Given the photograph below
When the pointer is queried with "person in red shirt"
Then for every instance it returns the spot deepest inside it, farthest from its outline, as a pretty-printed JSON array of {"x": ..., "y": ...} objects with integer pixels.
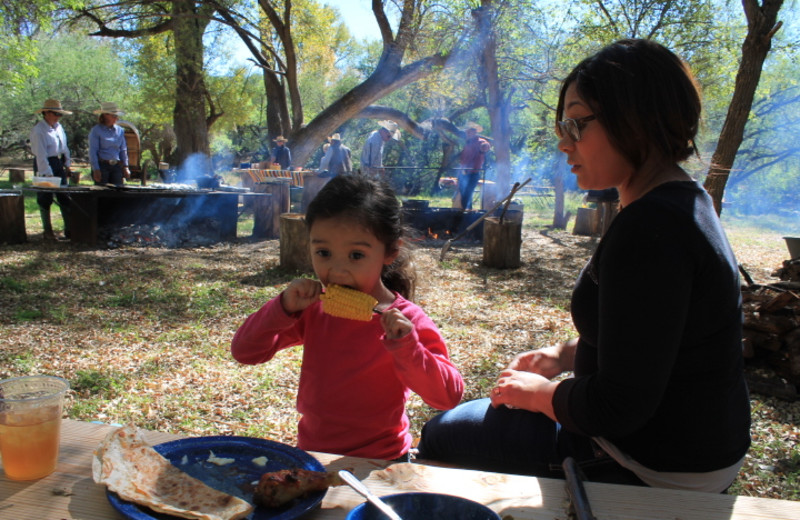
[
  {"x": 356, "y": 376},
  {"x": 471, "y": 163}
]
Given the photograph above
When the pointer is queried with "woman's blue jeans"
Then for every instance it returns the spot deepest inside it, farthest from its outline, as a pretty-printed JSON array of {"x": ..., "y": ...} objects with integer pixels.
[{"x": 477, "y": 436}]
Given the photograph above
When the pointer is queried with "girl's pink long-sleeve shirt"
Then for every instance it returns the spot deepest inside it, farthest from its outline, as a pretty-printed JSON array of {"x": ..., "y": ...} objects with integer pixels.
[{"x": 354, "y": 382}]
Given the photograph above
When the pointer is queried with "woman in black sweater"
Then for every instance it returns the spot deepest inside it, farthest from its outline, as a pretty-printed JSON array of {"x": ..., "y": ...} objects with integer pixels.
[{"x": 658, "y": 394}]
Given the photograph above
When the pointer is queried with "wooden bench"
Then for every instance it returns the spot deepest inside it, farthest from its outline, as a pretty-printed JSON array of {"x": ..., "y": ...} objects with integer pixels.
[{"x": 259, "y": 175}]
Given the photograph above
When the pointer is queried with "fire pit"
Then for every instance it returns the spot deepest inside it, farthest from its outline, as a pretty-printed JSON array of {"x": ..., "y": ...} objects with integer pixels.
[
  {"x": 153, "y": 216},
  {"x": 442, "y": 223}
]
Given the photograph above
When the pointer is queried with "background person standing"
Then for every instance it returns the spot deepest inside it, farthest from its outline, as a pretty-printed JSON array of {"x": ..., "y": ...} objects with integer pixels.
[
  {"x": 281, "y": 154},
  {"x": 470, "y": 163},
  {"x": 337, "y": 159},
  {"x": 51, "y": 158},
  {"x": 108, "y": 149},
  {"x": 372, "y": 153}
]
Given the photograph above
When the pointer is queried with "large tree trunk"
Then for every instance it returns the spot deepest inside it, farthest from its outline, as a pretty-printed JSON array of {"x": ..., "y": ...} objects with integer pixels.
[
  {"x": 388, "y": 76},
  {"x": 277, "y": 107},
  {"x": 498, "y": 106},
  {"x": 189, "y": 115},
  {"x": 761, "y": 26},
  {"x": 386, "y": 79}
]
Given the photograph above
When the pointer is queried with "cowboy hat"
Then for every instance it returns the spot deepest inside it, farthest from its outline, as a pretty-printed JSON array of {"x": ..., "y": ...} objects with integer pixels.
[
  {"x": 52, "y": 105},
  {"x": 109, "y": 108},
  {"x": 335, "y": 137},
  {"x": 473, "y": 126},
  {"x": 280, "y": 139},
  {"x": 391, "y": 127}
]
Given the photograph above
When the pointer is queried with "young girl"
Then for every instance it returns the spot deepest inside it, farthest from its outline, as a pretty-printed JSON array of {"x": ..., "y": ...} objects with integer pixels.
[{"x": 356, "y": 376}]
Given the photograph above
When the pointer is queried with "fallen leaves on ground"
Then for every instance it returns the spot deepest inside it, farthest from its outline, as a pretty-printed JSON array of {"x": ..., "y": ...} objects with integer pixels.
[{"x": 143, "y": 334}]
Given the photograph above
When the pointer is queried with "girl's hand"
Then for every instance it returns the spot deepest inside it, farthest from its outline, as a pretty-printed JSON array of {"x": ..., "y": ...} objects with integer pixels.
[
  {"x": 299, "y": 294},
  {"x": 525, "y": 390},
  {"x": 395, "y": 324}
]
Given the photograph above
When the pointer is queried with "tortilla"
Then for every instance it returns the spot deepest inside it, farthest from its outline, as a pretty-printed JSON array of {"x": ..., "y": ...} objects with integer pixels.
[{"x": 134, "y": 470}]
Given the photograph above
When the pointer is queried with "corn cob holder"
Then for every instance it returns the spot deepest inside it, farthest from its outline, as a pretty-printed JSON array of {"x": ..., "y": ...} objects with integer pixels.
[{"x": 347, "y": 303}]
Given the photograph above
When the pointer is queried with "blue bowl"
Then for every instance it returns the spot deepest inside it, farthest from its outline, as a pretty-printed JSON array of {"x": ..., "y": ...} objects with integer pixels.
[{"x": 425, "y": 506}]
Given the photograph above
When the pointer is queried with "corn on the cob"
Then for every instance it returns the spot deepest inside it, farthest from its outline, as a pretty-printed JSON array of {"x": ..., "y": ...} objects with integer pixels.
[{"x": 347, "y": 303}]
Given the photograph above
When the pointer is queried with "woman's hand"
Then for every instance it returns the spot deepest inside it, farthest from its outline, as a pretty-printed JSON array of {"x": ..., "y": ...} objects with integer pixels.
[
  {"x": 395, "y": 324},
  {"x": 525, "y": 390},
  {"x": 299, "y": 294},
  {"x": 547, "y": 362},
  {"x": 96, "y": 175}
]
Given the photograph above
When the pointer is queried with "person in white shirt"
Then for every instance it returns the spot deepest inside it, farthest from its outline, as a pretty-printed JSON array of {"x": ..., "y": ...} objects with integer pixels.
[
  {"x": 51, "y": 159},
  {"x": 337, "y": 158},
  {"x": 372, "y": 153}
]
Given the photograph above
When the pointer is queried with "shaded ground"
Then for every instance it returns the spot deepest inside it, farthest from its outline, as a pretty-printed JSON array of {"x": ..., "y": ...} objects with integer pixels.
[{"x": 143, "y": 334}]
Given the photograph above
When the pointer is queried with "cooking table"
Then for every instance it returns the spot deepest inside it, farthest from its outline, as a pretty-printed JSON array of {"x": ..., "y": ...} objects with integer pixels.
[{"x": 70, "y": 492}]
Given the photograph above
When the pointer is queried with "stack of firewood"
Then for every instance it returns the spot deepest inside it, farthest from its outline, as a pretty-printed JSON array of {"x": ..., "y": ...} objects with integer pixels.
[{"x": 772, "y": 330}]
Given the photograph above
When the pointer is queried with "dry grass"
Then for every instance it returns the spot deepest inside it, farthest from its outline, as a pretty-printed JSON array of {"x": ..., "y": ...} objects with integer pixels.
[{"x": 143, "y": 334}]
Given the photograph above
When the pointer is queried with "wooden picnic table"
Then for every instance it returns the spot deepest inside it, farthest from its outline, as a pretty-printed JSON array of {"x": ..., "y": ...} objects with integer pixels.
[{"x": 70, "y": 492}]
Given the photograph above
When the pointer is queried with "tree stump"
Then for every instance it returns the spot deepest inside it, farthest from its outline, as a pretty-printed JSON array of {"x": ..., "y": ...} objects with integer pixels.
[
  {"x": 312, "y": 183},
  {"x": 502, "y": 243},
  {"x": 585, "y": 222},
  {"x": 295, "y": 254},
  {"x": 262, "y": 212},
  {"x": 16, "y": 175},
  {"x": 248, "y": 182},
  {"x": 281, "y": 202},
  {"x": 12, "y": 219}
]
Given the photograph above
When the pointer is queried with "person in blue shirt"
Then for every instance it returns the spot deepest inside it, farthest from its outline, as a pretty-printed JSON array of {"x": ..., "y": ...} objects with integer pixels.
[
  {"x": 281, "y": 154},
  {"x": 51, "y": 158},
  {"x": 108, "y": 150}
]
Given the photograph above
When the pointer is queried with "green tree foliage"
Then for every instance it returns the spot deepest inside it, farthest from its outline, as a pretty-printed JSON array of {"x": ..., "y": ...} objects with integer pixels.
[{"x": 80, "y": 72}]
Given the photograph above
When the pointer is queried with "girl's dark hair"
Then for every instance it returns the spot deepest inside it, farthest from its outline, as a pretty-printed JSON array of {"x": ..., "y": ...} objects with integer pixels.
[
  {"x": 645, "y": 97},
  {"x": 373, "y": 205}
]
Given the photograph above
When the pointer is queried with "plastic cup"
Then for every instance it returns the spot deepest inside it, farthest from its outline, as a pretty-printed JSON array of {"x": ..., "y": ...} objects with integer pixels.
[{"x": 30, "y": 425}]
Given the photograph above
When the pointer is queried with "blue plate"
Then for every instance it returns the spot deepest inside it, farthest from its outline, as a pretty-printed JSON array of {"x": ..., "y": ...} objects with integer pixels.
[{"x": 237, "y": 478}]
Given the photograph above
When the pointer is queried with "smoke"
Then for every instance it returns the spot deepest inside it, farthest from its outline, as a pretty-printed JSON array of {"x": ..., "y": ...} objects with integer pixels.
[{"x": 195, "y": 166}]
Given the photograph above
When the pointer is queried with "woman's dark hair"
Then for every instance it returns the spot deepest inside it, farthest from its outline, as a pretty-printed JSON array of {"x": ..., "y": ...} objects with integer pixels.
[
  {"x": 373, "y": 205},
  {"x": 645, "y": 97}
]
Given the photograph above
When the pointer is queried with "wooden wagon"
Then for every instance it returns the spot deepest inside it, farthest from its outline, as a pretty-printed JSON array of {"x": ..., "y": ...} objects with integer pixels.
[{"x": 134, "y": 143}]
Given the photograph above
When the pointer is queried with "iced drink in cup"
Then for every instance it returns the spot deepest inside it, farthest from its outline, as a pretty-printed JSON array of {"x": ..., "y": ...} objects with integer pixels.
[{"x": 30, "y": 425}]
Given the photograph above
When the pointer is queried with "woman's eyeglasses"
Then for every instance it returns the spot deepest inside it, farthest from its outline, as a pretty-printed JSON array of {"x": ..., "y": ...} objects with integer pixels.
[{"x": 572, "y": 127}]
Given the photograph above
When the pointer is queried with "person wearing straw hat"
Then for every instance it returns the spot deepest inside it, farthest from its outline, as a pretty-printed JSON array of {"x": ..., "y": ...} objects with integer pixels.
[
  {"x": 372, "y": 153},
  {"x": 337, "y": 159},
  {"x": 108, "y": 149},
  {"x": 281, "y": 155},
  {"x": 470, "y": 163},
  {"x": 51, "y": 158}
]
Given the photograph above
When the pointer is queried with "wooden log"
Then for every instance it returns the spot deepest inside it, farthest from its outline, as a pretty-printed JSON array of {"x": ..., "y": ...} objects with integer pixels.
[
  {"x": 295, "y": 254},
  {"x": 312, "y": 183},
  {"x": 501, "y": 243},
  {"x": 281, "y": 202},
  {"x": 585, "y": 222},
  {"x": 778, "y": 302},
  {"x": 12, "y": 219},
  {"x": 16, "y": 175},
  {"x": 771, "y": 323},
  {"x": 262, "y": 213},
  {"x": 762, "y": 340},
  {"x": 248, "y": 182}
]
